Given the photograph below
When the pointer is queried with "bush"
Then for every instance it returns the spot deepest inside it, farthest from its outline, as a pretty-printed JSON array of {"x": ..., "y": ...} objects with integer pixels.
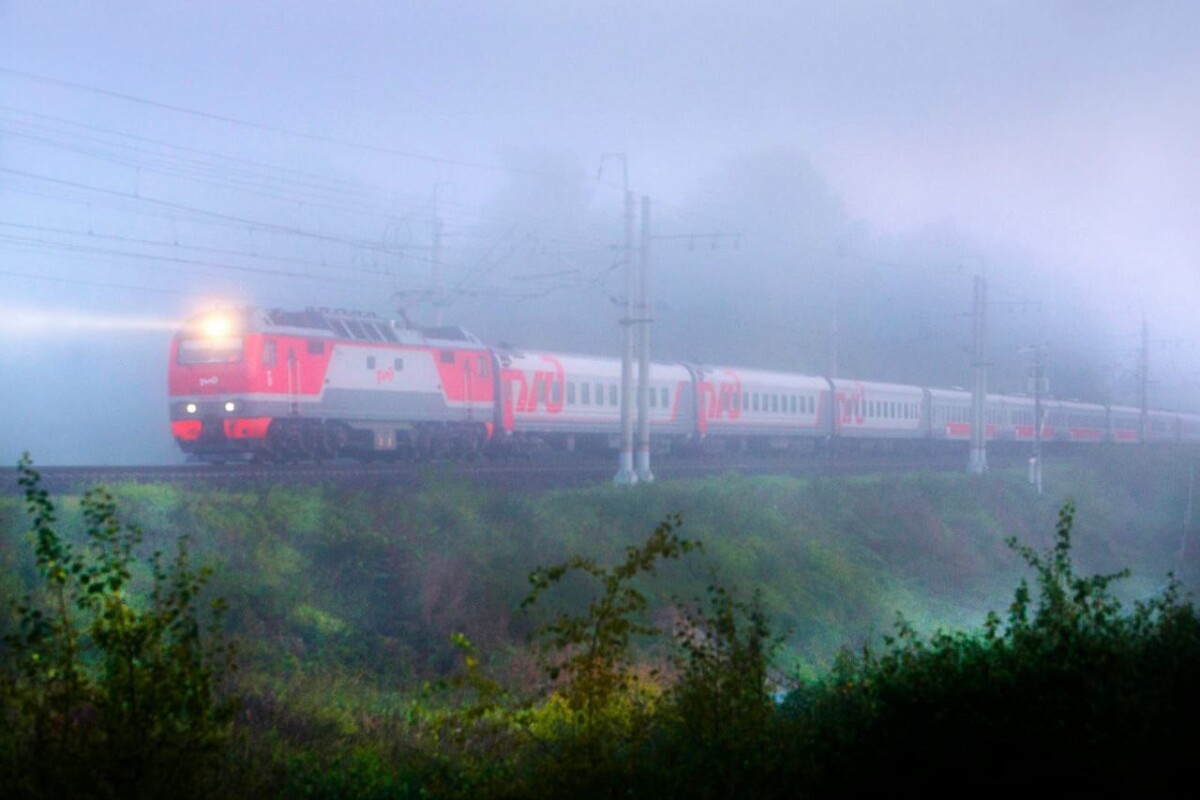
[
  {"x": 107, "y": 692},
  {"x": 1068, "y": 690}
]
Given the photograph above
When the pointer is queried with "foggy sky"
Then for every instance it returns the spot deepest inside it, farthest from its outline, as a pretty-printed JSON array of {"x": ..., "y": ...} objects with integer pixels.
[{"x": 1052, "y": 144}]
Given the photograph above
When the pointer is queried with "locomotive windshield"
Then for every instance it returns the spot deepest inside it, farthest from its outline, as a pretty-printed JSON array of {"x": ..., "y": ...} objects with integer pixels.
[{"x": 210, "y": 350}]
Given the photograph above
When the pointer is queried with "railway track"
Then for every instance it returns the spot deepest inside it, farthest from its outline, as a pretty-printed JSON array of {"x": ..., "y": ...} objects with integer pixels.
[{"x": 544, "y": 473}]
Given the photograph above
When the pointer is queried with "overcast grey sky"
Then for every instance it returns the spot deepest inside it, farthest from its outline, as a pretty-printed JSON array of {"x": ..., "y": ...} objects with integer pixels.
[{"x": 1063, "y": 131}]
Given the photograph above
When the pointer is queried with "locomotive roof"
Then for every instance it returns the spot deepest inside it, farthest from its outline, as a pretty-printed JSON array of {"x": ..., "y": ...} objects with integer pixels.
[{"x": 365, "y": 326}]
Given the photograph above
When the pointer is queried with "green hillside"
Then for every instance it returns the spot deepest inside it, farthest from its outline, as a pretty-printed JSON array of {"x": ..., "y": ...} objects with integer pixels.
[{"x": 353, "y": 611}]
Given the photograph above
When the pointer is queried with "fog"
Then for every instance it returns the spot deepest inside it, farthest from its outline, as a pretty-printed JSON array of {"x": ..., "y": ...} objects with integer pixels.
[{"x": 809, "y": 166}]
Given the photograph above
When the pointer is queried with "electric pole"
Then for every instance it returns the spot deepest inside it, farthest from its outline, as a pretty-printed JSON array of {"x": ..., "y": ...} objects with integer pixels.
[
  {"x": 643, "y": 322},
  {"x": 436, "y": 266},
  {"x": 835, "y": 303},
  {"x": 978, "y": 462},
  {"x": 1144, "y": 381},
  {"x": 625, "y": 475},
  {"x": 1037, "y": 378}
]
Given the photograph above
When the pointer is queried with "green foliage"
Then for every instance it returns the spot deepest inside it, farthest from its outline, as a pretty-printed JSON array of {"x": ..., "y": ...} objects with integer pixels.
[
  {"x": 107, "y": 693},
  {"x": 386, "y": 657},
  {"x": 721, "y": 710},
  {"x": 1100, "y": 694},
  {"x": 592, "y": 650}
]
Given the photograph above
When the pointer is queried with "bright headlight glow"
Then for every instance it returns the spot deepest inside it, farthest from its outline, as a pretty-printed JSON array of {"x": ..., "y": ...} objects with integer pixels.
[
  {"x": 217, "y": 327},
  {"x": 229, "y": 406},
  {"x": 190, "y": 408}
]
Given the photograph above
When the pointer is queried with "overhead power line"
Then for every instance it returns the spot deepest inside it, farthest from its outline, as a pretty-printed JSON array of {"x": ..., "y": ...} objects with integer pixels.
[{"x": 230, "y": 120}]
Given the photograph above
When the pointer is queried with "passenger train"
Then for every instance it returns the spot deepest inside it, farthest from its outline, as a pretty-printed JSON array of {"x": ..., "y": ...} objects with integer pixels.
[{"x": 320, "y": 383}]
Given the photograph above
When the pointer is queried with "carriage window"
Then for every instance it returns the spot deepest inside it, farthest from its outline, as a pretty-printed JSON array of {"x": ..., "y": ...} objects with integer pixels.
[
  {"x": 653, "y": 397},
  {"x": 570, "y": 394},
  {"x": 666, "y": 396},
  {"x": 612, "y": 394},
  {"x": 370, "y": 362},
  {"x": 754, "y": 401},
  {"x": 599, "y": 395},
  {"x": 745, "y": 402},
  {"x": 398, "y": 363},
  {"x": 585, "y": 393},
  {"x": 268, "y": 353},
  {"x": 539, "y": 391},
  {"x": 556, "y": 393},
  {"x": 775, "y": 402}
]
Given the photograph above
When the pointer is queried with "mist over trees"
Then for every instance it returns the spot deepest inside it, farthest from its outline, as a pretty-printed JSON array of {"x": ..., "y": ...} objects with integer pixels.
[{"x": 758, "y": 267}]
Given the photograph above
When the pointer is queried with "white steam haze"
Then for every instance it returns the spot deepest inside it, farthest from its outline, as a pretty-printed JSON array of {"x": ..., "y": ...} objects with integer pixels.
[{"x": 800, "y": 157}]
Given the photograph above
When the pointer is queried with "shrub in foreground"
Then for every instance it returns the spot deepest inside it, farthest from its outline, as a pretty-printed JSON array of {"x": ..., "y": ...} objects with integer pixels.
[
  {"x": 1067, "y": 689},
  {"x": 106, "y": 691}
]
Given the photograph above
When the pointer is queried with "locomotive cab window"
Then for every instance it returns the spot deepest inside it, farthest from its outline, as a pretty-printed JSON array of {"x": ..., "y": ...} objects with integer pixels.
[
  {"x": 447, "y": 356},
  {"x": 316, "y": 348},
  {"x": 209, "y": 350}
]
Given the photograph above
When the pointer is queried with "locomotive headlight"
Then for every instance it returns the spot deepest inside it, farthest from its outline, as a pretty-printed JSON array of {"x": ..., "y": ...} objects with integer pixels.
[
  {"x": 230, "y": 406},
  {"x": 190, "y": 408},
  {"x": 217, "y": 327}
]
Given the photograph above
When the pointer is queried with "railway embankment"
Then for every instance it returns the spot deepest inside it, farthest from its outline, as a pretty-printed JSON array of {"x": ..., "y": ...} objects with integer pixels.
[{"x": 388, "y": 574}]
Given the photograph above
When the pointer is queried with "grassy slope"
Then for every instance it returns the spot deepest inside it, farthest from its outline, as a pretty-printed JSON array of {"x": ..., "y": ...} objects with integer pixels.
[{"x": 369, "y": 586}]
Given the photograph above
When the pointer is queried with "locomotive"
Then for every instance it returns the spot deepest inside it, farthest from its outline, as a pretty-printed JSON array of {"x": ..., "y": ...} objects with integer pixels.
[{"x": 321, "y": 383}]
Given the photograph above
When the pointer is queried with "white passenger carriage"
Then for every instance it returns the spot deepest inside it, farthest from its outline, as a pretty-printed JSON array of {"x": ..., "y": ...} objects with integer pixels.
[
  {"x": 1070, "y": 421},
  {"x": 949, "y": 415},
  {"x": 760, "y": 405},
  {"x": 866, "y": 410},
  {"x": 570, "y": 399}
]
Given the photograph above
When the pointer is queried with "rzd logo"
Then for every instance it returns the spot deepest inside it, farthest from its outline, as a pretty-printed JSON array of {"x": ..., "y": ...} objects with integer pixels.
[{"x": 545, "y": 388}]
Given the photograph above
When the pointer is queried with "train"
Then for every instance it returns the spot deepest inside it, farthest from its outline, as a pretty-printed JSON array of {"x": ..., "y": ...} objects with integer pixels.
[{"x": 283, "y": 385}]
